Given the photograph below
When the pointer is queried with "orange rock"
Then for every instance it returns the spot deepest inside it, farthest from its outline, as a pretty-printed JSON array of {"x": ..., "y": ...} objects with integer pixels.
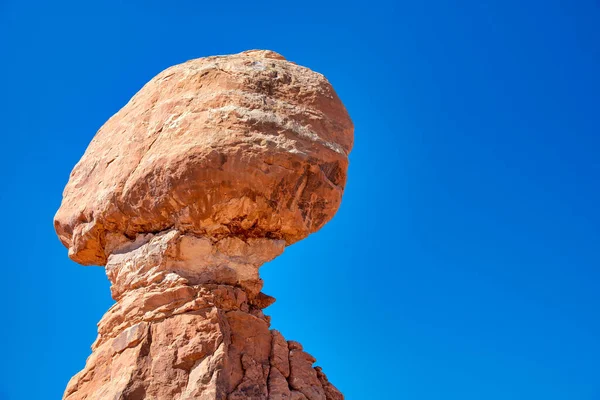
[
  {"x": 247, "y": 145},
  {"x": 207, "y": 173}
]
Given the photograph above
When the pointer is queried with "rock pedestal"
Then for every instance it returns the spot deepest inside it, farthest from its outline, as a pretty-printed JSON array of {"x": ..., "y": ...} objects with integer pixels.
[
  {"x": 188, "y": 324},
  {"x": 206, "y": 174}
]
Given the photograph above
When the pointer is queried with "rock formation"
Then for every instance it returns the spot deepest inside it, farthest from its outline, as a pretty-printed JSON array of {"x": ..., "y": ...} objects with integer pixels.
[{"x": 208, "y": 172}]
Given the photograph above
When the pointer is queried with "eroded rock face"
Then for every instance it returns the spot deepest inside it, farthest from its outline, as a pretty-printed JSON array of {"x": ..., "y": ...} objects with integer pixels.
[
  {"x": 206, "y": 174},
  {"x": 194, "y": 342}
]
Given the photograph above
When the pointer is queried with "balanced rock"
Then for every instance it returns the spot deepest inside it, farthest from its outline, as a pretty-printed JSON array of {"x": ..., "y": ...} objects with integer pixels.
[
  {"x": 248, "y": 145},
  {"x": 208, "y": 172}
]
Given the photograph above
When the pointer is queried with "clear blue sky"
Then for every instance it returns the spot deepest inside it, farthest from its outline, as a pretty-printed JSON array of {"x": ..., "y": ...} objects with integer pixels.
[{"x": 464, "y": 262}]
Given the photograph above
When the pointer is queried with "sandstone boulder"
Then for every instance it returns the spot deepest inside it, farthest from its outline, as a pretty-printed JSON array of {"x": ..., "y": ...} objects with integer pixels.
[{"x": 246, "y": 145}]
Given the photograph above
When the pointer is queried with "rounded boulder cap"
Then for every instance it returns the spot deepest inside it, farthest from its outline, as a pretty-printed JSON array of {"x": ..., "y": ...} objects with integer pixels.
[{"x": 247, "y": 145}]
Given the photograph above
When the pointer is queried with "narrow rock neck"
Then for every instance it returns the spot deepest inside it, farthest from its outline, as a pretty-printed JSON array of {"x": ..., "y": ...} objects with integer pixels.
[
  {"x": 170, "y": 259},
  {"x": 159, "y": 276}
]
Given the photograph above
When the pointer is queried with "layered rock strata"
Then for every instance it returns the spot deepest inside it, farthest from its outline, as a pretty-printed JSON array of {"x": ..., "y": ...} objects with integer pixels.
[
  {"x": 206, "y": 174},
  {"x": 188, "y": 324}
]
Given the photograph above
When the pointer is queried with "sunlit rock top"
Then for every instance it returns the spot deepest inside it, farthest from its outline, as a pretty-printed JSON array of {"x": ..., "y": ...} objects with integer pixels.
[{"x": 245, "y": 146}]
